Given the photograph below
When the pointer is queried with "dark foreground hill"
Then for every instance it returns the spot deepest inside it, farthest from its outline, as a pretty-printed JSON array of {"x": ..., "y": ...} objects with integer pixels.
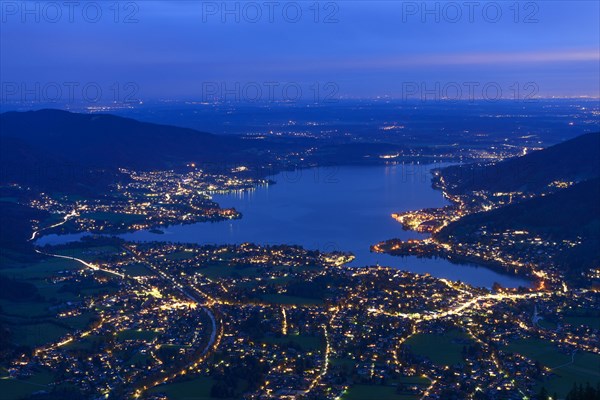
[{"x": 575, "y": 160}]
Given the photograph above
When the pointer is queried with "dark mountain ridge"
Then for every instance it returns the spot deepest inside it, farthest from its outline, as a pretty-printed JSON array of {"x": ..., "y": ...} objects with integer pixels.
[
  {"x": 567, "y": 219},
  {"x": 102, "y": 140},
  {"x": 574, "y": 160},
  {"x": 84, "y": 148},
  {"x": 568, "y": 214}
]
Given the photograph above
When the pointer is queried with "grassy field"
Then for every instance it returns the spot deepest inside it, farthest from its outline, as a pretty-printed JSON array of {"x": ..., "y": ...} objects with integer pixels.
[
  {"x": 37, "y": 334},
  {"x": 375, "y": 392},
  {"x": 137, "y": 270},
  {"x": 33, "y": 322},
  {"x": 443, "y": 349},
  {"x": 115, "y": 218},
  {"x": 592, "y": 322},
  {"x": 28, "y": 320},
  {"x": 221, "y": 271},
  {"x": 18, "y": 312},
  {"x": 539, "y": 350},
  {"x": 307, "y": 343},
  {"x": 66, "y": 197},
  {"x": 87, "y": 343},
  {"x": 42, "y": 269},
  {"x": 224, "y": 271},
  {"x": 343, "y": 362},
  {"x": 197, "y": 389},
  {"x": 80, "y": 321},
  {"x": 10, "y": 259},
  {"x": 253, "y": 284},
  {"x": 547, "y": 324},
  {"x": 88, "y": 253},
  {"x": 139, "y": 359},
  {"x": 584, "y": 368},
  {"x": 50, "y": 293},
  {"x": 13, "y": 389}
]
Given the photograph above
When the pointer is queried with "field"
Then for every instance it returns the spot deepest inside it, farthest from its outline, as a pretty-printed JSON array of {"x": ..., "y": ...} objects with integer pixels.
[
  {"x": 87, "y": 343},
  {"x": 17, "y": 312},
  {"x": 88, "y": 253},
  {"x": 343, "y": 362},
  {"x": 79, "y": 322},
  {"x": 224, "y": 271},
  {"x": 221, "y": 271},
  {"x": 13, "y": 389},
  {"x": 197, "y": 389},
  {"x": 42, "y": 269},
  {"x": 31, "y": 322},
  {"x": 139, "y": 359},
  {"x": 37, "y": 334},
  {"x": 375, "y": 392},
  {"x": 581, "y": 368},
  {"x": 115, "y": 218},
  {"x": 137, "y": 270},
  {"x": 307, "y": 343},
  {"x": 443, "y": 349},
  {"x": 413, "y": 380},
  {"x": 592, "y": 322}
]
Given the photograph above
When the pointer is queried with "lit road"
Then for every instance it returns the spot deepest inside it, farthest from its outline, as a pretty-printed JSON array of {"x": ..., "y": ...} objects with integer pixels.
[
  {"x": 458, "y": 310},
  {"x": 85, "y": 263},
  {"x": 196, "y": 297},
  {"x": 73, "y": 213}
]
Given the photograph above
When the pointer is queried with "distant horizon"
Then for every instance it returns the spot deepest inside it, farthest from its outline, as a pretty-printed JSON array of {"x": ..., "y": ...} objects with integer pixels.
[
  {"x": 189, "y": 101},
  {"x": 353, "y": 49}
]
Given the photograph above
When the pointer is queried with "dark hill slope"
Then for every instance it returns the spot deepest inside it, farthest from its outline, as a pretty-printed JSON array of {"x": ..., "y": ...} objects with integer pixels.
[
  {"x": 111, "y": 141},
  {"x": 15, "y": 230},
  {"x": 575, "y": 160},
  {"x": 566, "y": 214}
]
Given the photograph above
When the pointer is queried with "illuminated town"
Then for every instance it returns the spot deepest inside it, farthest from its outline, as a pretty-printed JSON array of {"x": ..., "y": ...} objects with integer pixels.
[
  {"x": 299, "y": 200},
  {"x": 284, "y": 322},
  {"x": 515, "y": 250},
  {"x": 150, "y": 319},
  {"x": 148, "y": 200}
]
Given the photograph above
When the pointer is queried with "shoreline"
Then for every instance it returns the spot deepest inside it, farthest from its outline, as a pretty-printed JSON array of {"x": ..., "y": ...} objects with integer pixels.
[{"x": 457, "y": 259}]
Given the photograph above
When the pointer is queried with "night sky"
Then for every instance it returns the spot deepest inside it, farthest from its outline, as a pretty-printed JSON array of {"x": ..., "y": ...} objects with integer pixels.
[{"x": 170, "y": 49}]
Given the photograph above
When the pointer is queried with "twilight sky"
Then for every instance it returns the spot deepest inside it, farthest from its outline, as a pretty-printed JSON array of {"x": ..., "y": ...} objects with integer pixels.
[{"x": 186, "y": 49}]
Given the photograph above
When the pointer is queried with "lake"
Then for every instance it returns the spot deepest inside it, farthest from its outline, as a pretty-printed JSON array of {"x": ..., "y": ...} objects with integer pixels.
[{"x": 337, "y": 208}]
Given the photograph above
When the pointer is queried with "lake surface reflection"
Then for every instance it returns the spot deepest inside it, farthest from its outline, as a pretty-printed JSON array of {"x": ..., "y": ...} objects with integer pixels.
[{"x": 337, "y": 208}]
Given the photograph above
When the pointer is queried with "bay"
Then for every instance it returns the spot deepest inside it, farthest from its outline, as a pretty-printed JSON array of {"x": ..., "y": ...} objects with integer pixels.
[{"x": 331, "y": 209}]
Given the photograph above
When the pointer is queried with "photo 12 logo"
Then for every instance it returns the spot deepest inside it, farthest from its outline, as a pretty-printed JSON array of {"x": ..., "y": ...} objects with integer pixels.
[
  {"x": 69, "y": 92},
  {"x": 256, "y": 92},
  {"x": 470, "y": 91},
  {"x": 319, "y": 175},
  {"x": 53, "y": 12},
  {"x": 253, "y": 12},
  {"x": 525, "y": 12}
]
